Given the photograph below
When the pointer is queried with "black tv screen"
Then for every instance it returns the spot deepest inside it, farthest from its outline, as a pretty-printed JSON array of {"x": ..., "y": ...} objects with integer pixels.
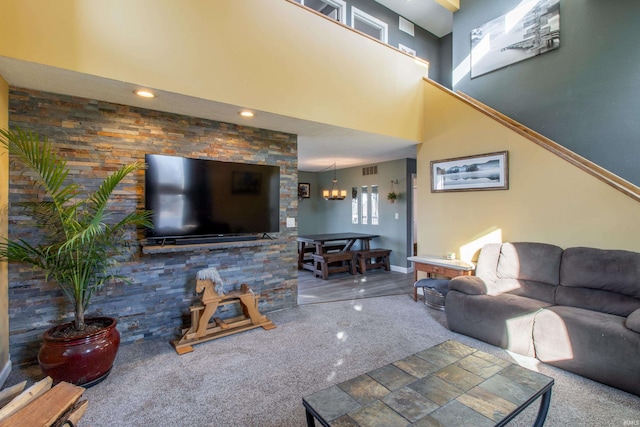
[{"x": 206, "y": 198}]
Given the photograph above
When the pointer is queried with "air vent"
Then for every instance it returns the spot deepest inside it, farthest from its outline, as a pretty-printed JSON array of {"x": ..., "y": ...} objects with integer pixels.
[
  {"x": 370, "y": 170},
  {"x": 406, "y": 26}
]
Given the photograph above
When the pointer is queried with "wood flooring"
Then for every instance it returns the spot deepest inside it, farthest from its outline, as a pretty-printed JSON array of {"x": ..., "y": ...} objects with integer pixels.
[{"x": 344, "y": 286}]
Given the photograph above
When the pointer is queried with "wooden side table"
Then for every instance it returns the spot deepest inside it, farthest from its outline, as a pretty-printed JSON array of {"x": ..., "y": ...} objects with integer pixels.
[{"x": 433, "y": 265}]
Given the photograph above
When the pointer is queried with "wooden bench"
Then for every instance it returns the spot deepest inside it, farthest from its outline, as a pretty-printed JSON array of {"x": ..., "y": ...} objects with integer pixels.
[
  {"x": 373, "y": 258},
  {"x": 305, "y": 262},
  {"x": 326, "y": 263},
  {"x": 334, "y": 247}
]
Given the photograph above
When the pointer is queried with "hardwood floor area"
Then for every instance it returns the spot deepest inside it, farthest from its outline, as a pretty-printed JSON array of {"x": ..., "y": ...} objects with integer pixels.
[{"x": 344, "y": 286}]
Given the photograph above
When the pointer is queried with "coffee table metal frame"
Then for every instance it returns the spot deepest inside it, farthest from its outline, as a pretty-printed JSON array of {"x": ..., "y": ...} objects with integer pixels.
[{"x": 544, "y": 393}]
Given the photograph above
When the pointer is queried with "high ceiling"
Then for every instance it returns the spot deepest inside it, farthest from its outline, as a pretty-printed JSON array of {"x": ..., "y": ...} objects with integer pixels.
[{"x": 319, "y": 145}]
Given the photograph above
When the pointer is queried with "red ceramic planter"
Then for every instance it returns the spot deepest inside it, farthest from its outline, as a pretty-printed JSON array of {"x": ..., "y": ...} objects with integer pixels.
[{"x": 83, "y": 361}]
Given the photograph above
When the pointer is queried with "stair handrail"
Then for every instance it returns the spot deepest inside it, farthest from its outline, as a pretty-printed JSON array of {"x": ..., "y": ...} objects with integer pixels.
[{"x": 575, "y": 159}]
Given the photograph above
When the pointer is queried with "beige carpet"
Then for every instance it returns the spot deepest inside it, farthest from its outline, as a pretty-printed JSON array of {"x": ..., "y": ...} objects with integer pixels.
[{"x": 258, "y": 378}]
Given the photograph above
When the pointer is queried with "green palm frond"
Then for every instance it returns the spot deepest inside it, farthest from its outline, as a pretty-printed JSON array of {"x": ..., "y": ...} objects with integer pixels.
[
  {"x": 37, "y": 155},
  {"x": 102, "y": 195},
  {"x": 80, "y": 244}
]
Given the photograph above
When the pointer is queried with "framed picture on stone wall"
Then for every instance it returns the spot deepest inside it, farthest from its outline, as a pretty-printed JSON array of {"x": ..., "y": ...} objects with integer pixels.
[{"x": 471, "y": 173}]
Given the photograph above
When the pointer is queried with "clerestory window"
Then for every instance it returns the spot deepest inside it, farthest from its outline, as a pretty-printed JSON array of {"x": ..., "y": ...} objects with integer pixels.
[
  {"x": 369, "y": 25},
  {"x": 334, "y": 9}
]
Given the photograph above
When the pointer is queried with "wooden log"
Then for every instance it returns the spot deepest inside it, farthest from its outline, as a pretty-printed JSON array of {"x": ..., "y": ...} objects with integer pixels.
[
  {"x": 25, "y": 397},
  {"x": 47, "y": 408},
  {"x": 78, "y": 411},
  {"x": 9, "y": 393},
  {"x": 73, "y": 415}
]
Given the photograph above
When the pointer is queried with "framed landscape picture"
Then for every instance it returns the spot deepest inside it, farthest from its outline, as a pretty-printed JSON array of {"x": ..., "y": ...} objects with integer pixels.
[{"x": 471, "y": 173}]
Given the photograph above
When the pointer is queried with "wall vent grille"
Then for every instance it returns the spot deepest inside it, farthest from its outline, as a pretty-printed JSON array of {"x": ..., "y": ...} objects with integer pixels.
[
  {"x": 370, "y": 170},
  {"x": 406, "y": 26}
]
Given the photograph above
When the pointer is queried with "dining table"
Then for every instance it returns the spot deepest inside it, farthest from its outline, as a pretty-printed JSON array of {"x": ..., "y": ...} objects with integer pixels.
[{"x": 337, "y": 241}]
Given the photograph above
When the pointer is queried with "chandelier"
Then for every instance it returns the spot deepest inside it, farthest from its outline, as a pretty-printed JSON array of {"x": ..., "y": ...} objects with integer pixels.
[{"x": 334, "y": 193}]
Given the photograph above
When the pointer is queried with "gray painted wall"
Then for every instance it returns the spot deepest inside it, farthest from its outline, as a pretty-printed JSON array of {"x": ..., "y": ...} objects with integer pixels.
[
  {"x": 308, "y": 208},
  {"x": 446, "y": 61},
  {"x": 316, "y": 215},
  {"x": 584, "y": 95}
]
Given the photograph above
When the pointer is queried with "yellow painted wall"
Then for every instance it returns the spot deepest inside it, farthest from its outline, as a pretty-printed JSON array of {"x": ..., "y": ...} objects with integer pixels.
[
  {"x": 548, "y": 199},
  {"x": 4, "y": 200},
  {"x": 268, "y": 55}
]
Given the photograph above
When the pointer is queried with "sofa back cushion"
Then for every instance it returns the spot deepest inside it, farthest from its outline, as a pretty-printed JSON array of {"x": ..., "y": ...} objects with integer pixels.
[
  {"x": 529, "y": 269},
  {"x": 603, "y": 280},
  {"x": 536, "y": 262},
  {"x": 521, "y": 268},
  {"x": 487, "y": 264}
]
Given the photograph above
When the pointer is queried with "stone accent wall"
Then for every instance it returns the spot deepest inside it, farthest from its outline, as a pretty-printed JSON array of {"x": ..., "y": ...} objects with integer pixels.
[{"x": 98, "y": 137}]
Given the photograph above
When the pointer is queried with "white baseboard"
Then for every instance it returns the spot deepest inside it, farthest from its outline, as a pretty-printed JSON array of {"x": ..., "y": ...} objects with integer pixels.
[
  {"x": 405, "y": 270},
  {"x": 6, "y": 370}
]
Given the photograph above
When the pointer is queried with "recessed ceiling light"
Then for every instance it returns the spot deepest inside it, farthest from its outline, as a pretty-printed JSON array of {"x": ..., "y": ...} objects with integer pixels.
[
  {"x": 246, "y": 113},
  {"x": 144, "y": 93}
]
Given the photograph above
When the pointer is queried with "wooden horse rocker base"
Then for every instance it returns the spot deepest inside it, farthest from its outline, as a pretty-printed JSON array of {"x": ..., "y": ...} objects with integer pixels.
[{"x": 202, "y": 330}]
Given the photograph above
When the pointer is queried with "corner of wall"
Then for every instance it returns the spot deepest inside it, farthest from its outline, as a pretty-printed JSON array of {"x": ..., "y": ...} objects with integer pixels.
[{"x": 4, "y": 200}]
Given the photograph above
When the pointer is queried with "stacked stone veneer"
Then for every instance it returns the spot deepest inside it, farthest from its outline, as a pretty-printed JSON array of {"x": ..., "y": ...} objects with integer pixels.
[{"x": 98, "y": 137}]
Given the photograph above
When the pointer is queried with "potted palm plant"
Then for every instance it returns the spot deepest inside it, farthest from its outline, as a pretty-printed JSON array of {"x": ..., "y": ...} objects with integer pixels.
[{"x": 77, "y": 248}]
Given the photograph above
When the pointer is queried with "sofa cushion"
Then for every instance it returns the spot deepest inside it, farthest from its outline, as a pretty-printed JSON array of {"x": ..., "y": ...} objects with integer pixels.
[
  {"x": 597, "y": 300},
  {"x": 610, "y": 270},
  {"x": 601, "y": 280},
  {"x": 503, "y": 320},
  {"x": 537, "y": 262},
  {"x": 592, "y": 344},
  {"x": 527, "y": 269},
  {"x": 487, "y": 263},
  {"x": 525, "y": 288},
  {"x": 633, "y": 321}
]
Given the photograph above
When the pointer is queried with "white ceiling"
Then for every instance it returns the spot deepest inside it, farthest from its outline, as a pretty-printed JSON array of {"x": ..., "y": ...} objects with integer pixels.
[{"x": 319, "y": 145}]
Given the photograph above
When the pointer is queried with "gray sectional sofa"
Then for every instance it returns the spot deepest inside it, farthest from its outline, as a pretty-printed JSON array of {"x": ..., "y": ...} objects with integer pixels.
[{"x": 577, "y": 308}]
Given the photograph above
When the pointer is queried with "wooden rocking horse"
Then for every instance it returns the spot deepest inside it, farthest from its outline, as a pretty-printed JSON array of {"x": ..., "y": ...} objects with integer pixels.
[{"x": 211, "y": 285}]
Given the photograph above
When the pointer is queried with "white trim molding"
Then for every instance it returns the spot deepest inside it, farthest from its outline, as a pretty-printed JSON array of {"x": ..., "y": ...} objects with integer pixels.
[
  {"x": 340, "y": 5},
  {"x": 405, "y": 270},
  {"x": 358, "y": 15}
]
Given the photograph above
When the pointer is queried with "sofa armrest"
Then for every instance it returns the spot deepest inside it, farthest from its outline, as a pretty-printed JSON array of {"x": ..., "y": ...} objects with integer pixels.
[
  {"x": 470, "y": 285},
  {"x": 633, "y": 321}
]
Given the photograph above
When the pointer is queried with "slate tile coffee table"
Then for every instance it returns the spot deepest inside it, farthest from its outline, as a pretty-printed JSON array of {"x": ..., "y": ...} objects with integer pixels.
[{"x": 450, "y": 384}]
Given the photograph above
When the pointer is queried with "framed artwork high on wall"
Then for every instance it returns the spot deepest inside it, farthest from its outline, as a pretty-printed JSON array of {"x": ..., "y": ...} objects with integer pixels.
[{"x": 531, "y": 28}]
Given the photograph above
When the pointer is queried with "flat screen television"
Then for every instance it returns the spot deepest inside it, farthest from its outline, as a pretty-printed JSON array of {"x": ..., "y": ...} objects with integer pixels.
[{"x": 197, "y": 200}]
